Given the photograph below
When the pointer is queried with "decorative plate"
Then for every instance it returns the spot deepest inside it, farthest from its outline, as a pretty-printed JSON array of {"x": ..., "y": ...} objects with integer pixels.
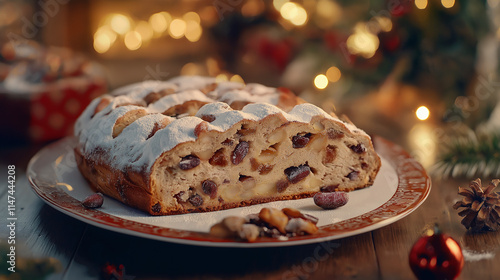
[{"x": 400, "y": 187}]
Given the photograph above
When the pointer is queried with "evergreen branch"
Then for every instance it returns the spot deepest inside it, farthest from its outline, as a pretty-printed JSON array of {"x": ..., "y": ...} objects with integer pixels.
[{"x": 477, "y": 154}]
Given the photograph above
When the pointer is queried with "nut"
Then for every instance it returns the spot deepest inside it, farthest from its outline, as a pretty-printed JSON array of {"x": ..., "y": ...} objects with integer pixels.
[
  {"x": 301, "y": 226},
  {"x": 229, "y": 227},
  {"x": 249, "y": 232},
  {"x": 274, "y": 218},
  {"x": 294, "y": 213},
  {"x": 233, "y": 223}
]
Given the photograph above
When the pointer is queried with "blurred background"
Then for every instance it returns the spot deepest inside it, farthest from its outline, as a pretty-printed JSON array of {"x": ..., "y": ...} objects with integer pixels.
[{"x": 422, "y": 73}]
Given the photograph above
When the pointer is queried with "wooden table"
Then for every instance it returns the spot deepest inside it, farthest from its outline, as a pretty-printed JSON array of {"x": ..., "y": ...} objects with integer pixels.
[{"x": 47, "y": 240}]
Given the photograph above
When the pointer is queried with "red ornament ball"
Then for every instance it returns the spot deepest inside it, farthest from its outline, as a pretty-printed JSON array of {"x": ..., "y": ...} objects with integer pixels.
[{"x": 436, "y": 256}]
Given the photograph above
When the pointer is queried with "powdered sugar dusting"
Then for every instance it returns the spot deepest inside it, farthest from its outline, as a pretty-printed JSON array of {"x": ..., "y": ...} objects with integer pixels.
[
  {"x": 177, "y": 99},
  {"x": 137, "y": 148}
]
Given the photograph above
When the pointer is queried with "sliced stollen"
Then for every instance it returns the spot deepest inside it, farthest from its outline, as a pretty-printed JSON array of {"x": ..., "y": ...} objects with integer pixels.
[{"x": 193, "y": 145}]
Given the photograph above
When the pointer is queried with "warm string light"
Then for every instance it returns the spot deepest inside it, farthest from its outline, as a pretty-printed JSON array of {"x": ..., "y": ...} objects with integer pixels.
[
  {"x": 332, "y": 75},
  {"x": 421, "y": 4},
  {"x": 422, "y": 113},
  {"x": 321, "y": 81},
  {"x": 448, "y": 3},
  {"x": 363, "y": 42},
  {"x": 292, "y": 12},
  {"x": 136, "y": 34}
]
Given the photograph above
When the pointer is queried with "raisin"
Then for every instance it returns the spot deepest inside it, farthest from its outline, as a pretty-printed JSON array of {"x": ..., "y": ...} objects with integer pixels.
[
  {"x": 218, "y": 158},
  {"x": 353, "y": 175},
  {"x": 330, "y": 188},
  {"x": 330, "y": 154},
  {"x": 189, "y": 162},
  {"x": 300, "y": 141},
  {"x": 179, "y": 195},
  {"x": 364, "y": 165},
  {"x": 359, "y": 149},
  {"x": 156, "y": 208},
  {"x": 334, "y": 134},
  {"x": 295, "y": 174},
  {"x": 196, "y": 200},
  {"x": 208, "y": 118},
  {"x": 240, "y": 152},
  {"x": 209, "y": 187},
  {"x": 281, "y": 185}
]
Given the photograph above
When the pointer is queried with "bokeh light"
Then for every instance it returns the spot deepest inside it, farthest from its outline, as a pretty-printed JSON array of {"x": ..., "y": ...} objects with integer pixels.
[
  {"x": 160, "y": 21},
  {"x": 362, "y": 42},
  {"x": 237, "y": 79},
  {"x": 132, "y": 40},
  {"x": 422, "y": 113},
  {"x": 145, "y": 30},
  {"x": 102, "y": 43},
  {"x": 279, "y": 3},
  {"x": 294, "y": 13},
  {"x": 321, "y": 81},
  {"x": 421, "y": 4},
  {"x": 177, "y": 28},
  {"x": 253, "y": 8},
  {"x": 120, "y": 23},
  {"x": 191, "y": 16},
  {"x": 333, "y": 74},
  {"x": 193, "y": 31},
  {"x": 221, "y": 78},
  {"x": 448, "y": 3}
]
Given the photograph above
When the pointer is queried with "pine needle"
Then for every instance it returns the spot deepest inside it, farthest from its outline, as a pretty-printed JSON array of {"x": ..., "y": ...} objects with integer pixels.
[{"x": 475, "y": 154}]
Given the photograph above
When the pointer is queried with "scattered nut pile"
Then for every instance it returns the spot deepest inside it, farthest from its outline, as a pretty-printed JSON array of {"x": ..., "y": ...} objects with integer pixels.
[{"x": 270, "y": 222}]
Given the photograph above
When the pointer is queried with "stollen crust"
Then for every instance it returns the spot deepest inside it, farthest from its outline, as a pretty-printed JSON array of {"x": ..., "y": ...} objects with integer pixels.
[{"x": 193, "y": 145}]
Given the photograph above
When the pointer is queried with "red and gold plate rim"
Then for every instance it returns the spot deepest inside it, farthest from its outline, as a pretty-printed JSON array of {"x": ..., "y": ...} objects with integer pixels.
[{"x": 413, "y": 188}]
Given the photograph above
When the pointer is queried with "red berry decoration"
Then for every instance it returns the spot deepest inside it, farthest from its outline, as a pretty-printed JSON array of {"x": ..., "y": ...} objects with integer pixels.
[
  {"x": 93, "y": 201},
  {"x": 436, "y": 256}
]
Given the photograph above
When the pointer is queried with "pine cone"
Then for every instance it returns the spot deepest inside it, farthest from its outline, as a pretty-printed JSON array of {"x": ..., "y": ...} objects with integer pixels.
[{"x": 482, "y": 206}]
